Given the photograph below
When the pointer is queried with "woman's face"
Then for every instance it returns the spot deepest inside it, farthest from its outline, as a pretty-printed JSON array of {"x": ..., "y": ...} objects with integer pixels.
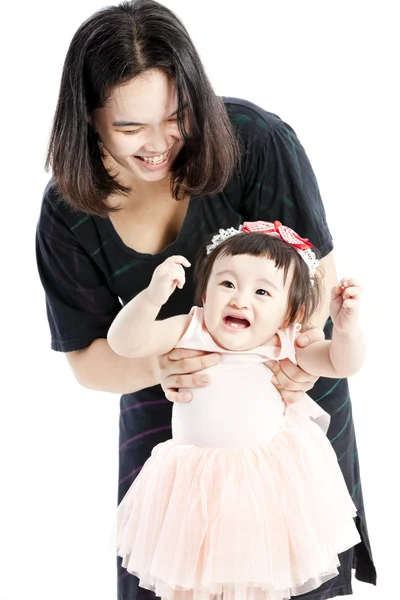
[{"x": 139, "y": 129}]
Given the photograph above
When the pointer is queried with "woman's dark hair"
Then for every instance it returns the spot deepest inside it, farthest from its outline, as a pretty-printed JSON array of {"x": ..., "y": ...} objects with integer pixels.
[
  {"x": 301, "y": 291},
  {"x": 112, "y": 47}
]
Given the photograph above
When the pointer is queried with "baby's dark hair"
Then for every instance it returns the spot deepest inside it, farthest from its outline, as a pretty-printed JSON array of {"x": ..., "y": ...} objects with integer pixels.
[{"x": 301, "y": 292}]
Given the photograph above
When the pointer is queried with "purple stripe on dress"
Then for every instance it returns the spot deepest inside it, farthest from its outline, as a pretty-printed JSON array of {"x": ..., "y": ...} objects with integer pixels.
[
  {"x": 134, "y": 406},
  {"x": 130, "y": 475},
  {"x": 143, "y": 434},
  {"x": 124, "y": 575}
]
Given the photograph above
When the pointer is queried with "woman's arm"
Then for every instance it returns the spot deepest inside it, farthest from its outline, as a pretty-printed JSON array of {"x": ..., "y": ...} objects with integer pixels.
[
  {"x": 135, "y": 332},
  {"x": 327, "y": 269},
  {"x": 80, "y": 332},
  {"x": 99, "y": 368}
]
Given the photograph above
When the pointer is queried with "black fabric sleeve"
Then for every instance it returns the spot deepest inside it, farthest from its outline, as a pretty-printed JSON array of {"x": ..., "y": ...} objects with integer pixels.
[
  {"x": 80, "y": 306},
  {"x": 280, "y": 185}
]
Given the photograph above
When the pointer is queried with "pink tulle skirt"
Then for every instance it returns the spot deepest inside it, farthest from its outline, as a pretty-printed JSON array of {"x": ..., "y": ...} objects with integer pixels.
[{"x": 261, "y": 523}]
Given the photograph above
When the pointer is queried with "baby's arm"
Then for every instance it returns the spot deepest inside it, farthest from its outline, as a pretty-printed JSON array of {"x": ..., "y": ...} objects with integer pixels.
[
  {"x": 135, "y": 333},
  {"x": 344, "y": 354}
]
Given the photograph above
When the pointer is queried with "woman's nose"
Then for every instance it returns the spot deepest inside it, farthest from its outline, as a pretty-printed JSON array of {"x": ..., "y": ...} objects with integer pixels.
[{"x": 157, "y": 141}]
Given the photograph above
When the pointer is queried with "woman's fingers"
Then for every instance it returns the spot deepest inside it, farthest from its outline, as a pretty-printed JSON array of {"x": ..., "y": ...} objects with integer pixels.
[
  {"x": 180, "y": 369},
  {"x": 174, "y": 382},
  {"x": 289, "y": 377},
  {"x": 173, "y": 396},
  {"x": 291, "y": 397},
  {"x": 291, "y": 383},
  {"x": 181, "y": 360},
  {"x": 309, "y": 337},
  {"x": 289, "y": 389}
]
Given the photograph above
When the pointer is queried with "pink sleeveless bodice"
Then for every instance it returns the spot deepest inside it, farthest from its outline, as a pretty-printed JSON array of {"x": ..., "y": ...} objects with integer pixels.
[{"x": 240, "y": 407}]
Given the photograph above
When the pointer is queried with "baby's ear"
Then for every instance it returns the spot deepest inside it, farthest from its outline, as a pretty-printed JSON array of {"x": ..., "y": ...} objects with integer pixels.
[
  {"x": 298, "y": 318},
  {"x": 300, "y": 314}
]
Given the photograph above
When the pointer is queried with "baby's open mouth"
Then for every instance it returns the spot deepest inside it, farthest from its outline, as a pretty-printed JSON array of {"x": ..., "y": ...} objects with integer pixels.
[{"x": 236, "y": 323}]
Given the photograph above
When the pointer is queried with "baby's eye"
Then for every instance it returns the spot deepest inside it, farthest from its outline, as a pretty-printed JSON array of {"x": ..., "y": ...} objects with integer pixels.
[
  {"x": 227, "y": 284},
  {"x": 262, "y": 292}
]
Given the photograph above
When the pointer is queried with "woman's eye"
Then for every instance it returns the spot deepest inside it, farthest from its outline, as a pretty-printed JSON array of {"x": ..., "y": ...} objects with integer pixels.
[
  {"x": 262, "y": 292},
  {"x": 132, "y": 132},
  {"x": 227, "y": 284}
]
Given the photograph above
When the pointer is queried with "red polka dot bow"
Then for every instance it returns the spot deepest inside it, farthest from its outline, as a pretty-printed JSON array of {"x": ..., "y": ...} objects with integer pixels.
[
  {"x": 275, "y": 229},
  {"x": 278, "y": 230}
]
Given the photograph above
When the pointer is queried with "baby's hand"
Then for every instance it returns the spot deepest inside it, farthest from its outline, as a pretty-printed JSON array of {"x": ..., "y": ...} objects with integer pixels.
[
  {"x": 345, "y": 303},
  {"x": 166, "y": 278}
]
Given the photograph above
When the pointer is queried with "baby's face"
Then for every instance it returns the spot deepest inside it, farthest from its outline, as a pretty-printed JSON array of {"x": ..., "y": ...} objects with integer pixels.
[{"x": 245, "y": 302}]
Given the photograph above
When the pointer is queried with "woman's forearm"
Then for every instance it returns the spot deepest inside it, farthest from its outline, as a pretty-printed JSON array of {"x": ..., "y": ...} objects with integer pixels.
[
  {"x": 99, "y": 368},
  {"x": 328, "y": 268}
]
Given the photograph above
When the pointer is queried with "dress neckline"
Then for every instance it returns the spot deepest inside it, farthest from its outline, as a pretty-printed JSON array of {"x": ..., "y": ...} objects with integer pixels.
[{"x": 170, "y": 248}]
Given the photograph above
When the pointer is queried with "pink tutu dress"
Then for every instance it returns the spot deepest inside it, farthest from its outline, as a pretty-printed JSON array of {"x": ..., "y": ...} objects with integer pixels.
[{"x": 246, "y": 501}]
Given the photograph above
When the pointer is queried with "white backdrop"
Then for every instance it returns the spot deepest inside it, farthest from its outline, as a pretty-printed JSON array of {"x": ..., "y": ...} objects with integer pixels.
[{"x": 329, "y": 70}]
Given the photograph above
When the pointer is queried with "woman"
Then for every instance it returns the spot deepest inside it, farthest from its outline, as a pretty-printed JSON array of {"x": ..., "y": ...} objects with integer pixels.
[{"x": 147, "y": 162}]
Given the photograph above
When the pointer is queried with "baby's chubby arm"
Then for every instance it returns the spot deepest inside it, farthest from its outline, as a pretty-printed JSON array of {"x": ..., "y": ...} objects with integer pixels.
[
  {"x": 344, "y": 354},
  {"x": 135, "y": 332}
]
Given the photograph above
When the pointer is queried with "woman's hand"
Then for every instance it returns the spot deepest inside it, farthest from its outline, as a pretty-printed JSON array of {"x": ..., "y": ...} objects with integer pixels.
[
  {"x": 179, "y": 369},
  {"x": 291, "y": 381}
]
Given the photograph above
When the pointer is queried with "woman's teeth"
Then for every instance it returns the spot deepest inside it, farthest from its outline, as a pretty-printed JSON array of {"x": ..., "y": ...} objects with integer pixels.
[{"x": 155, "y": 160}]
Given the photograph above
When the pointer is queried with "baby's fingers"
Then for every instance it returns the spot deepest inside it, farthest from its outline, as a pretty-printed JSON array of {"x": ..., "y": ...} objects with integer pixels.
[
  {"x": 336, "y": 291},
  {"x": 347, "y": 283},
  {"x": 179, "y": 277},
  {"x": 180, "y": 282},
  {"x": 352, "y": 292},
  {"x": 179, "y": 260},
  {"x": 351, "y": 306}
]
